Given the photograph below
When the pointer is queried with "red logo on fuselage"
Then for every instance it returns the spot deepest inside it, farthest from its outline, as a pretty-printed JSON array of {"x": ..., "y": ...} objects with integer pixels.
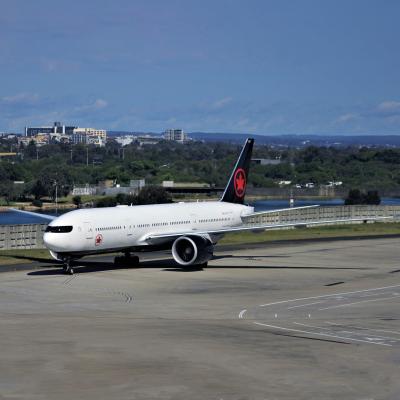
[
  {"x": 99, "y": 239},
  {"x": 239, "y": 181}
]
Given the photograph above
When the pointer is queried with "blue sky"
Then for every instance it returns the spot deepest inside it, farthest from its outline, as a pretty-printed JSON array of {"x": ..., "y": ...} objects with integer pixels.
[{"x": 255, "y": 66}]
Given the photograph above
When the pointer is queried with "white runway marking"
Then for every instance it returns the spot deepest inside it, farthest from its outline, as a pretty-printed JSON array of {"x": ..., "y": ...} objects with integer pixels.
[
  {"x": 328, "y": 295},
  {"x": 311, "y": 326},
  {"x": 305, "y": 305},
  {"x": 357, "y": 302},
  {"x": 385, "y": 330},
  {"x": 321, "y": 334},
  {"x": 286, "y": 310},
  {"x": 368, "y": 329},
  {"x": 376, "y": 337}
]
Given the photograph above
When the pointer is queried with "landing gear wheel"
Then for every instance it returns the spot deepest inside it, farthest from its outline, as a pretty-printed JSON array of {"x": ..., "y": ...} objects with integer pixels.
[
  {"x": 202, "y": 265},
  {"x": 68, "y": 269},
  {"x": 195, "y": 267}
]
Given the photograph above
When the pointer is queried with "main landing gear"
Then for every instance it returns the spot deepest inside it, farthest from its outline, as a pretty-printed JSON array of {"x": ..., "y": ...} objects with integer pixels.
[{"x": 127, "y": 260}]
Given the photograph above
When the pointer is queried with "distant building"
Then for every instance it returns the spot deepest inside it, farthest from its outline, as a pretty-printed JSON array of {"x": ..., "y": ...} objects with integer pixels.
[
  {"x": 167, "y": 184},
  {"x": 172, "y": 184},
  {"x": 89, "y": 136},
  {"x": 7, "y": 135},
  {"x": 65, "y": 134},
  {"x": 109, "y": 188},
  {"x": 125, "y": 140},
  {"x": 56, "y": 128},
  {"x": 137, "y": 183},
  {"x": 148, "y": 139},
  {"x": 176, "y": 135},
  {"x": 59, "y": 138},
  {"x": 266, "y": 161},
  {"x": 86, "y": 190},
  {"x": 39, "y": 140},
  {"x": 284, "y": 183},
  {"x": 334, "y": 183}
]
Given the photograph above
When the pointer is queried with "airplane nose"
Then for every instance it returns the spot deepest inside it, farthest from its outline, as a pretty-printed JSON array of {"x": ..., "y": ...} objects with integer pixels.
[
  {"x": 47, "y": 240},
  {"x": 57, "y": 242},
  {"x": 50, "y": 241}
]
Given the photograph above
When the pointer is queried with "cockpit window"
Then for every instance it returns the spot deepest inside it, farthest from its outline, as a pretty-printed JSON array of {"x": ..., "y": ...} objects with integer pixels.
[{"x": 59, "y": 229}]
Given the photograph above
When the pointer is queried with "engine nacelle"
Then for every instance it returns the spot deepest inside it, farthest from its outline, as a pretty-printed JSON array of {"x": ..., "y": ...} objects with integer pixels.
[
  {"x": 192, "y": 250},
  {"x": 55, "y": 255}
]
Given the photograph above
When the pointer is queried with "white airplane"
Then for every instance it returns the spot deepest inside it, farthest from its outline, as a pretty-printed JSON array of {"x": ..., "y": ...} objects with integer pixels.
[{"x": 190, "y": 229}]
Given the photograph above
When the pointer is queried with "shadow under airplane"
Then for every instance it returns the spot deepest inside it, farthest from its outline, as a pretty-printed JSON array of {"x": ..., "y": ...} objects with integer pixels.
[{"x": 168, "y": 265}]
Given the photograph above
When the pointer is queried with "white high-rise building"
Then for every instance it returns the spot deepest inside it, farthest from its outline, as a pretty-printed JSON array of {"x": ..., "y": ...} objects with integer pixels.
[{"x": 177, "y": 135}]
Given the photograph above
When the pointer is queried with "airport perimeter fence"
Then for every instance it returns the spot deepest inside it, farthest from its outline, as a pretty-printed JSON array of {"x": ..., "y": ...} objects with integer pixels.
[
  {"x": 26, "y": 236},
  {"x": 30, "y": 236},
  {"x": 391, "y": 213}
]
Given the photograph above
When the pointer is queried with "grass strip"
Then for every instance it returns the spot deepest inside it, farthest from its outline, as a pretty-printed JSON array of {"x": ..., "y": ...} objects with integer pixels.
[{"x": 331, "y": 231}]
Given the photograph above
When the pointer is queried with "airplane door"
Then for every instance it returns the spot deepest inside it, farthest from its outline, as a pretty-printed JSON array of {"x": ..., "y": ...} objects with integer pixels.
[
  {"x": 88, "y": 230},
  {"x": 129, "y": 228}
]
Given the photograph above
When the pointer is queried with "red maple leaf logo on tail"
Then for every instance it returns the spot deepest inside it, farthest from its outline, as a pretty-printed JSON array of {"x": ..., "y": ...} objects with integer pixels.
[{"x": 239, "y": 182}]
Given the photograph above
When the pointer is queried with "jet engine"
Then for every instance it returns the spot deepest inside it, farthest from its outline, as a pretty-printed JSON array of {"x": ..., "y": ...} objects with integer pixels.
[
  {"x": 55, "y": 255},
  {"x": 192, "y": 250}
]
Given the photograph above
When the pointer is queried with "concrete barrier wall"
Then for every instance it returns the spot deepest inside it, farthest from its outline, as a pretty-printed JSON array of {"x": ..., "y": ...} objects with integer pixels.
[
  {"x": 324, "y": 213},
  {"x": 27, "y": 236},
  {"x": 30, "y": 236}
]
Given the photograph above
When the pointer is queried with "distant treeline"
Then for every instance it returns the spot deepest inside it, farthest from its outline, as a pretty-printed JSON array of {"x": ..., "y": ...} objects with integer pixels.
[{"x": 63, "y": 166}]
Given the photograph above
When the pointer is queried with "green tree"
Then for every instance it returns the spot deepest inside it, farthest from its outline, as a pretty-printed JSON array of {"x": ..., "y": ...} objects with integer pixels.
[
  {"x": 153, "y": 195},
  {"x": 77, "y": 200},
  {"x": 357, "y": 197}
]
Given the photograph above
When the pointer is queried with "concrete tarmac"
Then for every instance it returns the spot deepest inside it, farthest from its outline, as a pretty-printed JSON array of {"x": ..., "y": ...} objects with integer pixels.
[{"x": 290, "y": 321}]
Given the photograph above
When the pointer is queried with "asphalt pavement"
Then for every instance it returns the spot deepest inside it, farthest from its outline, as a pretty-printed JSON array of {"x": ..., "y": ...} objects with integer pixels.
[{"x": 314, "y": 320}]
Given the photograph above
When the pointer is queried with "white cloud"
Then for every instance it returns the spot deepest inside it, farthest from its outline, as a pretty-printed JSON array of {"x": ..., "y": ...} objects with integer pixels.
[
  {"x": 387, "y": 109},
  {"x": 347, "y": 118},
  {"x": 21, "y": 98},
  {"x": 100, "y": 103},
  {"x": 221, "y": 103},
  {"x": 54, "y": 65},
  {"x": 389, "y": 106}
]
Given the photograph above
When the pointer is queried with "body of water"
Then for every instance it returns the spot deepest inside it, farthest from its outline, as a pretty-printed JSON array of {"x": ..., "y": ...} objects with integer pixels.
[
  {"x": 15, "y": 218},
  {"x": 267, "y": 205}
]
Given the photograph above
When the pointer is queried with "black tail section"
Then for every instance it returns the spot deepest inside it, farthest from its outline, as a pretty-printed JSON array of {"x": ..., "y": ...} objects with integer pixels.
[{"x": 236, "y": 187}]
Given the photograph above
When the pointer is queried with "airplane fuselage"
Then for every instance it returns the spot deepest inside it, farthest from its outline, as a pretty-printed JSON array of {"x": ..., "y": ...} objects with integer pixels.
[{"x": 101, "y": 230}]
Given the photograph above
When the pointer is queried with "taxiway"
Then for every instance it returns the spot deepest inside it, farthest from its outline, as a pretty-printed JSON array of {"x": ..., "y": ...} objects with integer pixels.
[{"x": 306, "y": 321}]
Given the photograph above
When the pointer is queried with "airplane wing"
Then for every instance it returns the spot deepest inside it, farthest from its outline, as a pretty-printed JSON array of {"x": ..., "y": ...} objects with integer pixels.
[
  {"x": 279, "y": 210},
  {"x": 43, "y": 216},
  {"x": 156, "y": 238}
]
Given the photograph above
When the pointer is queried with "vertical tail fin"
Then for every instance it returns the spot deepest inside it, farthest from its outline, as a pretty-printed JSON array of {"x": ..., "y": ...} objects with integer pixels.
[{"x": 236, "y": 187}]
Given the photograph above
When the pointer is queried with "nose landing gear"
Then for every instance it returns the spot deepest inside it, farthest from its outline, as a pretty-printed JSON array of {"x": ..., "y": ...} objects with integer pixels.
[{"x": 67, "y": 268}]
